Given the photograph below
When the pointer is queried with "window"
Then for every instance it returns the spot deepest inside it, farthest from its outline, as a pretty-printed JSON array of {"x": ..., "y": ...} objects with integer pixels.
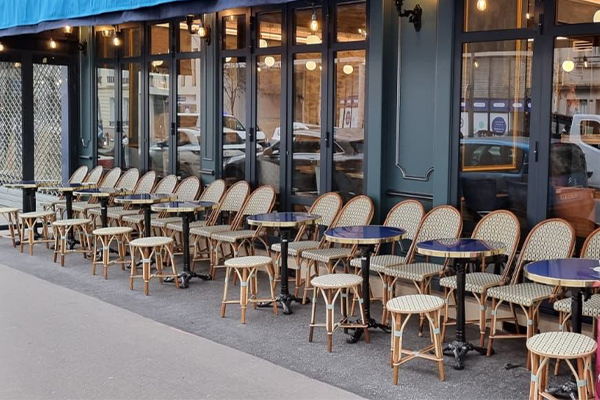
[
  {"x": 234, "y": 32},
  {"x": 487, "y": 15},
  {"x": 351, "y": 22},
  {"x": 577, "y": 11}
]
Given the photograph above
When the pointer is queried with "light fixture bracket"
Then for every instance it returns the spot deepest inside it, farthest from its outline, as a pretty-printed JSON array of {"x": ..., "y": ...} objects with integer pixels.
[
  {"x": 414, "y": 15},
  {"x": 189, "y": 20}
]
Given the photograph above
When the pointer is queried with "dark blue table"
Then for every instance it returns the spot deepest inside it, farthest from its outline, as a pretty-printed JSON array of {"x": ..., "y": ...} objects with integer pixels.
[
  {"x": 29, "y": 187},
  {"x": 462, "y": 251},
  {"x": 367, "y": 236},
  {"x": 104, "y": 195},
  {"x": 145, "y": 200},
  {"x": 284, "y": 221}
]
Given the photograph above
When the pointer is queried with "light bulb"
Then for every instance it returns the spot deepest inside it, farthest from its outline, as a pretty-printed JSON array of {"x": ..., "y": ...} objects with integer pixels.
[
  {"x": 314, "y": 24},
  {"x": 311, "y": 65},
  {"x": 568, "y": 65},
  {"x": 53, "y": 44},
  {"x": 17, "y": 65},
  {"x": 348, "y": 69},
  {"x": 262, "y": 43},
  {"x": 1, "y": 47},
  {"x": 269, "y": 61},
  {"x": 157, "y": 63},
  {"x": 527, "y": 16},
  {"x": 585, "y": 62},
  {"x": 107, "y": 33},
  {"x": 313, "y": 39},
  {"x": 476, "y": 64},
  {"x": 596, "y": 17},
  {"x": 481, "y": 5},
  {"x": 258, "y": 69},
  {"x": 227, "y": 59},
  {"x": 68, "y": 29}
]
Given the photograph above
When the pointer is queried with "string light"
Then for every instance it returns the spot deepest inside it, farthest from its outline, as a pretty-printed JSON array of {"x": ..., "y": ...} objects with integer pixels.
[
  {"x": 53, "y": 44},
  {"x": 1, "y": 47},
  {"x": 314, "y": 24},
  {"x": 481, "y": 5},
  {"x": 568, "y": 65},
  {"x": 68, "y": 29}
]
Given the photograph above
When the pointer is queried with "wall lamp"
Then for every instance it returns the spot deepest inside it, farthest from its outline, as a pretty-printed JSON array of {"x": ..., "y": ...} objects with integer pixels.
[
  {"x": 414, "y": 15},
  {"x": 202, "y": 30},
  {"x": 69, "y": 35}
]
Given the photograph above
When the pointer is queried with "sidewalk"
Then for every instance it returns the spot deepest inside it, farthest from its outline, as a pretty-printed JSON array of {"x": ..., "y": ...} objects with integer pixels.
[{"x": 58, "y": 343}]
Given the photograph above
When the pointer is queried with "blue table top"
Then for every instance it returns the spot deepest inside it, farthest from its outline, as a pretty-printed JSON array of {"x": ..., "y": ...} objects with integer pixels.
[
  {"x": 282, "y": 219},
  {"x": 183, "y": 206},
  {"x": 144, "y": 198},
  {"x": 364, "y": 234},
  {"x": 460, "y": 248},
  {"x": 569, "y": 272}
]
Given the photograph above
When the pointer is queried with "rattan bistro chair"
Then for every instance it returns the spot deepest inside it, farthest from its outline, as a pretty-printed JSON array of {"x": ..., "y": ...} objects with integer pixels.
[
  {"x": 327, "y": 206},
  {"x": 406, "y": 215},
  {"x": 109, "y": 181},
  {"x": 260, "y": 201},
  {"x": 498, "y": 226},
  {"x": 77, "y": 176},
  {"x": 358, "y": 211},
  {"x": 550, "y": 239},
  {"x": 126, "y": 182}
]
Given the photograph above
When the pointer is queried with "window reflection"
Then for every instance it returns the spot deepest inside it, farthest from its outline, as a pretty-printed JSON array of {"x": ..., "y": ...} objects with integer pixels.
[
  {"x": 188, "y": 117},
  {"x": 577, "y": 11},
  {"x": 305, "y": 24},
  {"x": 159, "y": 38},
  {"x": 234, "y": 32},
  {"x": 351, "y": 22},
  {"x": 189, "y": 42},
  {"x": 269, "y": 29},
  {"x": 234, "y": 116},
  {"x": 105, "y": 90},
  {"x": 158, "y": 105},
  {"x": 485, "y": 15},
  {"x": 268, "y": 109},
  {"x": 131, "y": 109},
  {"x": 132, "y": 41}
]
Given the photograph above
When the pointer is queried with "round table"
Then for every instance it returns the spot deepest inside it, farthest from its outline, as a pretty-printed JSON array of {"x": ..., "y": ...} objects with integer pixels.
[
  {"x": 104, "y": 194},
  {"x": 145, "y": 201},
  {"x": 367, "y": 236},
  {"x": 461, "y": 251},
  {"x": 29, "y": 187},
  {"x": 186, "y": 209},
  {"x": 284, "y": 221},
  {"x": 580, "y": 275}
]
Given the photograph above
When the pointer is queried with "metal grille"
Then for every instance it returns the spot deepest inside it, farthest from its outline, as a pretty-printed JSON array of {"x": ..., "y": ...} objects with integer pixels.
[
  {"x": 49, "y": 96},
  {"x": 11, "y": 127}
]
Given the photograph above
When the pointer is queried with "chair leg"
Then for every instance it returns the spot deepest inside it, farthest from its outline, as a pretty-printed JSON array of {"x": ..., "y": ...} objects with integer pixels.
[
  {"x": 146, "y": 270},
  {"x": 482, "y": 318},
  {"x": 329, "y": 320},
  {"x": 313, "y": 315},
  {"x": 437, "y": 342},
  {"x": 495, "y": 305},
  {"x": 361, "y": 309},
  {"x": 225, "y": 288},
  {"x": 244, "y": 282},
  {"x": 535, "y": 377},
  {"x": 396, "y": 345}
]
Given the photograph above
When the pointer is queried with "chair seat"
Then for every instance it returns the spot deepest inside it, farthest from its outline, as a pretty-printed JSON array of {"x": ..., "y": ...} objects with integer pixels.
[
  {"x": 114, "y": 230},
  {"x": 336, "y": 281},
  {"x": 82, "y": 206},
  {"x": 415, "y": 303},
  {"x": 72, "y": 222},
  {"x": 36, "y": 214},
  {"x": 4, "y": 210},
  {"x": 207, "y": 231},
  {"x": 62, "y": 204},
  {"x": 233, "y": 236},
  {"x": 561, "y": 344},
  {"x": 476, "y": 282},
  {"x": 139, "y": 218},
  {"x": 524, "y": 294},
  {"x": 97, "y": 211},
  {"x": 415, "y": 271},
  {"x": 52, "y": 203},
  {"x": 380, "y": 262},
  {"x": 248, "y": 262},
  {"x": 591, "y": 307},
  {"x": 151, "y": 241},
  {"x": 296, "y": 248},
  {"x": 163, "y": 222},
  {"x": 178, "y": 226},
  {"x": 118, "y": 214},
  {"x": 326, "y": 255}
]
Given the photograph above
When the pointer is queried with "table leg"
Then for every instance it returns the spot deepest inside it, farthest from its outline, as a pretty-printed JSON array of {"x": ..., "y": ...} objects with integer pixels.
[
  {"x": 29, "y": 199},
  {"x": 285, "y": 299},
  {"x": 459, "y": 346},
  {"x": 365, "y": 270},
  {"x": 104, "y": 211},
  {"x": 187, "y": 274},
  {"x": 147, "y": 222},
  {"x": 69, "y": 203}
]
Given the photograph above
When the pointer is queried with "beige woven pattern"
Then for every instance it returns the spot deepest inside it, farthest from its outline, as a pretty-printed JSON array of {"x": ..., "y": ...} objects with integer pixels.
[
  {"x": 524, "y": 294},
  {"x": 111, "y": 178},
  {"x": 441, "y": 222},
  {"x": 295, "y": 248},
  {"x": 8, "y": 210},
  {"x": 214, "y": 191},
  {"x": 136, "y": 219},
  {"x": 415, "y": 303},
  {"x": 151, "y": 241},
  {"x": 146, "y": 183},
  {"x": 233, "y": 236},
  {"x": 259, "y": 201},
  {"x": 499, "y": 227},
  {"x": 36, "y": 214},
  {"x": 115, "y": 230},
  {"x": 591, "y": 307},
  {"x": 326, "y": 255},
  {"x": 79, "y": 175},
  {"x": 178, "y": 226},
  {"x": 327, "y": 206},
  {"x": 414, "y": 272},
  {"x": 206, "y": 231},
  {"x": 336, "y": 281},
  {"x": 381, "y": 262},
  {"x": 407, "y": 215},
  {"x": 235, "y": 197},
  {"x": 82, "y": 206},
  {"x": 357, "y": 211},
  {"x": 116, "y": 214},
  {"x": 549, "y": 241},
  {"x": 72, "y": 221},
  {"x": 561, "y": 344},
  {"x": 97, "y": 211},
  {"x": 163, "y": 222},
  {"x": 94, "y": 175},
  {"x": 128, "y": 179},
  {"x": 592, "y": 250},
  {"x": 248, "y": 262},
  {"x": 476, "y": 282},
  {"x": 188, "y": 189},
  {"x": 166, "y": 185}
]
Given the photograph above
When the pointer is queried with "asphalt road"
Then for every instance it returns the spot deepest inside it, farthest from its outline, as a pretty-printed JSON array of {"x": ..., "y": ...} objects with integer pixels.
[{"x": 56, "y": 343}]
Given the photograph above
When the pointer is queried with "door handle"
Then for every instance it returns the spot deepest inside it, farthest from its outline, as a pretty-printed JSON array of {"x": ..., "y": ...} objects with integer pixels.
[
  {"x": 251, "y": 135},
  {"x": 536, "y": 152},
  {"x": 327, "y": 140}
]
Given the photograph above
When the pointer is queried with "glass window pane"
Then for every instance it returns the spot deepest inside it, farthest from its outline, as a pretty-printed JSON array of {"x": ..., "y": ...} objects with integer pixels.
[
  {"x": 268, "y": 106},
  {"x": 234, "y": 118},
  {"x": 106, "y": 105},
  {"x": 349, "y": 123},
  {"x": 187, "y": 41},
  {"x": 351, "y": 22},
  {"x": 132, "y": 41},
  {"x": 485, "y": 15},
  {"x": 159, "y": 38},
  {"x": 494, "y": 128},
  {"x": 188, "y": 118},
  {"x": 306, "y": 143},
  {"x": 577, "y": 11},
  {"x": 234, "y": 32},
  {"x": 158, "y": 106},
  {"x": 574, "y": 178},
  {"x": 104, "y": 44},
  {"x": 308, "y": 25},
  {"x": 269, "y": 29},
  {"x": 131, "y": 109}
]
